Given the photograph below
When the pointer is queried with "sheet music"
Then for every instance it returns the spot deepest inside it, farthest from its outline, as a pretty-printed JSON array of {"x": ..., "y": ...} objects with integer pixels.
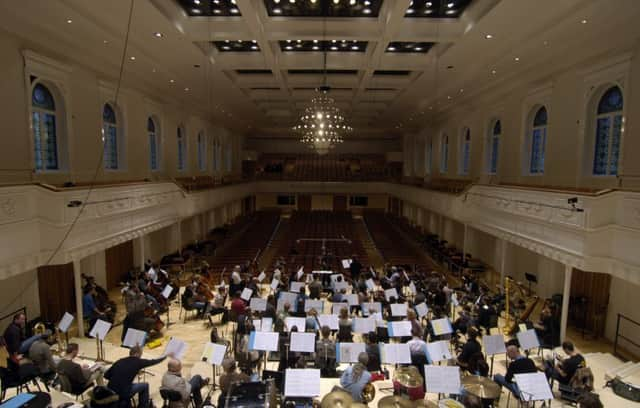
[
  {"x": 177, "y": 347},
  {"x": 166, "y": 292},
  {"x": 303, "y": 342},
  {"x": 322, "y": 272},
  {"x": 438, "y": 351},
  {"x": 348, "y": 352},
  {"x": 300, "y": 272},
  {"x": 390, "y": 293},
  {"x": 214, "y": 353},
  {"x": 528, "y": 339},
  {"x": 494, "y": 344},
  {"x": 302, "y": 382},
  {"x": 442, "y": 379},
  {"x": 266, "y": 324},
  {"x": 494, "y": 331},
  {"x": 336, "y": 307},
  {"x": 376, "y": 306},
  {"x": 261, "y": 276},
  {"x": 274, "y": 284},
  {"x": 371, "y": 285},
  {"x": 398, "y": 309},
  {"x": 246, "y": 294},
  {"x": 134, "y": 338},
  {"x": 296, "y": 286},
  {"x": 397, "y": 353},
  {"x": 422, "y": 309},
  {"x": 454, "y": 299},
  {"x": 441, "y": 326},
  {"x": 264, "y": 341},
  {"x": 522, "y": 327},
  {"x": 257, "y": 324},
  {"x": 334, "y": 277},
  {"x": 330, "y": 320},
  {"x": 351, "y": 298},
  {"x": 413, "y": 289},
  {"x": 65, "y": 322},
  {"x": 399, "y": 329},
  {"x": 364, "y": 325},
  {"x": 299, "y": 322},
  {"x": 346, "y": 263},
  {"x": 309, "y": 304},
  {"x": 258, "y": 304},
  {"x": 533, "y": 386},
  {"x": 100, "y": 329},
  {"x": 287, "y": 297},
  {"x": 338, "y": 286}
]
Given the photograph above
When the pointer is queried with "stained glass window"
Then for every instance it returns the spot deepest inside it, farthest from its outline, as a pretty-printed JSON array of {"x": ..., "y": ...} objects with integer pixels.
[
  {"x": 444, "y": 153},
  {"x": 201, "y": 151},
  {"x": 153, "y": 144},
  {"x": 43, "y": 122},
  {"x": 538, "y": 141},
  {"x": 110, "y": 137},
  {"x": 494, "y": 147},
  {"x": 608, "y": 131},
  {"x": 181, "y": 149},
  {"x": 465, "y": 152}
]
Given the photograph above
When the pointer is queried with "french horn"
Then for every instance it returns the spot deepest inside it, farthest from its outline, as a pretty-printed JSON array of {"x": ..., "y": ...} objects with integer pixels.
[{"x": 368, "y": 393}]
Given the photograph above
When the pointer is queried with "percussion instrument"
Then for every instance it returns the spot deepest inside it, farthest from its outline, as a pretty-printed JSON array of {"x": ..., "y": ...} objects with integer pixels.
[
  {"x": 394, "y": 401},
  {"x": 426, "y": 404},
  {"x": 408, "y": 382},
  {"x": 368, "y": 393},
  {"x": 449, "y": 403},
  {"x": 481, "y": 387},
  {"x": 337, "y": 399}
]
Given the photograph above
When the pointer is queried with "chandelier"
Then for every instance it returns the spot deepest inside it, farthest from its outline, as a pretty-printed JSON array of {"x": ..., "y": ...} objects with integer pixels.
[{"x": 322, "y": 126}]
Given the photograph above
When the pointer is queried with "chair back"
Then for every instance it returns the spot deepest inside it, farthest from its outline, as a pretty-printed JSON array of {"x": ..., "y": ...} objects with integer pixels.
[
  {"x": 65, "y": 383},
  {"x": 169, "y": 396}
]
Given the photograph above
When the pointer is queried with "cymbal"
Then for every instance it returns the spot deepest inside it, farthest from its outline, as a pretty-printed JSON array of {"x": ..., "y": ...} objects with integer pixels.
[
  {"x": 358, "y": 405},
  {"x": 394, "y": 401},
  {"x": 339, "y": 399},
  {"x": 426, "y": 404},
  {"x": 481, "y": 387},
  {"x": 408, "y": 376}
]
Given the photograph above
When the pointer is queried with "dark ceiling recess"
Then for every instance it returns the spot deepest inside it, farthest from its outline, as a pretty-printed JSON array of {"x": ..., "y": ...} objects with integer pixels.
[
  {"x": 210, "y": 8},
  {"x": 320, "y": 71},
  {"x": 409, "y": 47},
  {"x": 253, "y": 71},
  {"x": 323, "y": 8},
  {"x": 392, "y": 73},
  {"x": 436, "y": 8},
  {"x": 237, "y": 46},
  {"x": 320, "y": 46}
]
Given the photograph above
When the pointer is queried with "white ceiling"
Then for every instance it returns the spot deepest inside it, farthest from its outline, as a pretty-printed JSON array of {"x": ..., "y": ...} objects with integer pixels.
[{"x": 543, "y": 34}]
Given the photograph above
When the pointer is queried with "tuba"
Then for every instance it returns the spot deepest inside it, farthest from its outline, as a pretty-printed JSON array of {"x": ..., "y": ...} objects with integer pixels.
[{"x": 368, "y": 393}]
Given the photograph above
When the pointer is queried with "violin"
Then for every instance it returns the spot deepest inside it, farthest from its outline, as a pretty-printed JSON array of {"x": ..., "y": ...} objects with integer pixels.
[{"x": 203, "y": 290}]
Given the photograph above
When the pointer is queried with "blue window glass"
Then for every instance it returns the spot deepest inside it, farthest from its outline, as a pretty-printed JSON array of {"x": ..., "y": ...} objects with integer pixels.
[
  {"x": 428, "y": 156},
  {"x": 110, "y": 137},
  {"x": 43, "y": 121},
  {"x": 201, "y": 152},
  {"x": 494, "y": 147},
  {"x": 181, "y": 150},
  {"x": 538, "y": 141},
  {"x": 465, "y": 152},
  {"x": 608, "y": 133},
  {"x": 153, "y": 144},
  {"x": 229, "y": 158},
  {"x": 444, "y": 153}
]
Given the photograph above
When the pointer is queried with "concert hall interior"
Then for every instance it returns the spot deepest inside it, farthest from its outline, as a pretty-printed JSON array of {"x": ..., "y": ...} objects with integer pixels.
[{"x": 327, "y": 203}]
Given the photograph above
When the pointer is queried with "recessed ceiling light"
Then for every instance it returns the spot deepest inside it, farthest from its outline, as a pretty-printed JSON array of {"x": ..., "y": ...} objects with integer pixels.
[
  {"x": 391, "y": 49},
  {"x": 488, "y": 36},
  {"x": 428, "y": 4},
  {"x": 448, "y": 96},
  {"x": 132, "y": 58},
  {"x": 334, "y": 48},
  {"x": 516, "y": 59},
  {"x": 196, "y": 2},
  {"x": 254, "y": 47},
  {"x": 196, "y": 11},
  {"x": 226, "y": 48},
  {"x": 315, "y": 41},
  {"x": 355, "y": 48},
  {"x": 352, "y": 2},
  {"x": 277, "y": 11},
  {"x": 154, "y": 70},
  {"x": 105, "y": 42},
  {"x": 315, "y": 47},
  {"x": 288, "y": 47},
  {"x": 366, "y": 11},
  {"x": 461, "y": 90},
  {"x": 545, "y": 43},
  {"x": 171, "y": 81},
  {"x": 584, "y": 21},
  {"x": 69, "y": 21},
  {"x": 418, "y": 49},
  {"x": 493, "y": 72},
  {"x": 217, "y": 11},
  {"x": 430, "y": 107},
  {"x": 450, "y": 5},
  {"x": 410, "y": 11},
  {"x": 234, "y": 11},
  {"x": 186, "y": 89}
]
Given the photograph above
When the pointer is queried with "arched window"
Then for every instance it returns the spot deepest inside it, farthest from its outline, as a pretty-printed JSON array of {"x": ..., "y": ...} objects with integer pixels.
[
  {"x": 229, "y": 157},
  {"x": 218, "y": 156},
  {"x": 110, "y": 137},
  {"x": 444, "y": 153},
  {"x": 202, "y": 151},
  {"x": 182, "y": 153},
  {"x": 465, "y": 151},
  {"x": 154, "y": 144},
  {"x": 608, "y": 131},
  {"x": 493, "y": 147},
  {"x": 43, "y": 118},
  {"x": 538, "y": 134},
  {"x": 428, "y": 154}
]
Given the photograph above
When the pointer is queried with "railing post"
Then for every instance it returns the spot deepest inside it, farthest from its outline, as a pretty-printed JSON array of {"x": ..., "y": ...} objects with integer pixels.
[{"x": 615, "y": 340}]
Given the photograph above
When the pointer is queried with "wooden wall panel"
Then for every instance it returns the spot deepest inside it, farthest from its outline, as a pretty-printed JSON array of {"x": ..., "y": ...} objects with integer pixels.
[
  {"x": 56, "y": 291},
  {"x": 304, "y": 202},
  {"x": 339, "y": 203},
  {"x": 594, "y": 287},
  {"x": 118, "y": 260}
]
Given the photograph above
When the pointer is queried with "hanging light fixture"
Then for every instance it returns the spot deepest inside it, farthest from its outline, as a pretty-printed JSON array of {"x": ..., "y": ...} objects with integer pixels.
[{"x": 321, "y": 125}]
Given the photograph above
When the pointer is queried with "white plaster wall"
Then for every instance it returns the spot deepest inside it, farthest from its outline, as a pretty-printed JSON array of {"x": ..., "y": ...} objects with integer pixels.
[
  {"x": 94, "y": 265},
  {"x": 623, "y": 299},
  {"x": 18, "y": 291}
]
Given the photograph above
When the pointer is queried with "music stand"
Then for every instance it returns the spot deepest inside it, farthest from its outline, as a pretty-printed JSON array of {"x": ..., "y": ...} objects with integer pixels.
[{"x": 531, "y": 278}]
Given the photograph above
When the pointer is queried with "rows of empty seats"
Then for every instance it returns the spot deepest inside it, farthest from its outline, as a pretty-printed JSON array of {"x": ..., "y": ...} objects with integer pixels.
[{"x": 304, "y": 232}]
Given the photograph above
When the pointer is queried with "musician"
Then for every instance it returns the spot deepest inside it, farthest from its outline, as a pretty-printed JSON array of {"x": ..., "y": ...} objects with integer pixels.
[
  {"x": 124, "y": 371},
  {"x": 344, "y": 326},
  {"x": 217, "y": 306},
  {"x": 89, "y": 308},
  {"x": 354, "y": 268},
  {"x": 356, "y": 377},
  {"x": 311, "y": 322},
  {"x": 548, "y": 327},
  {"x": 173, "y": 380},
  {"x": 373, "y": 352},
  {"x": 13, "y": 334},
  {"x": 236, "y": 280},
  {"x": 315, "y": 288},
  {"x": 471, "y": 347},
  {"x": 415, "y": 324},
  {"x": 230, "y": 379},
  {"x": 325, "y": 356},
  {"x": 238, "y": 305},
  {"x": 79, "y": 376},
  {"x": 519, "y": 365},
  {"x": 565, "y": 368},
  {"x": 40, "y": 354}
]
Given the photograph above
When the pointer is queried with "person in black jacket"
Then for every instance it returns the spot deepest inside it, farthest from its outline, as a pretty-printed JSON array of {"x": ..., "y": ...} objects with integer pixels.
[
  {"x": 122, "y": 373},
  {"x": 519, "y": 365},
  {"x": 470, "y": 348}
]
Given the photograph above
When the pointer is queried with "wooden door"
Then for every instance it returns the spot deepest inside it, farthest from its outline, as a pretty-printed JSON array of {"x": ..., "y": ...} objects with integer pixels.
[
  {"x": 339, "y": 203},
  {"x": 118, "y": 260},
  {"x": 56, "y": 291},
  {"x": 589, "y": 300},
  {"x": 304, "y": 202}
]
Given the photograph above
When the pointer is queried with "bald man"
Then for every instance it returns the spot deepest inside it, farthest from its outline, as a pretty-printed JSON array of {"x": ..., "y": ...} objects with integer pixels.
[
  {"x": 519, "y": 365},
  {"x": 173, "y": 380}
]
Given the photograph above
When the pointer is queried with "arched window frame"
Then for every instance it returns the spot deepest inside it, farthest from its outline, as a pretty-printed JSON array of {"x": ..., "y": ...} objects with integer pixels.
[
  {"x": 444, "y": 153},
  {"x": 464, "y": 146},
  {"x": 614, "y": 122},
  {"x": 538, "y": 130},
  {"x": 44, "y": 128},
  {"x": 181, "y": 148},
  {"x": 201, "y": 141},
  {"x": 492, "y": 146},
  {"x": 155, "y": 142},
  {"x": 112, "y": 138},
  {"x": 217, "y": 152}
]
